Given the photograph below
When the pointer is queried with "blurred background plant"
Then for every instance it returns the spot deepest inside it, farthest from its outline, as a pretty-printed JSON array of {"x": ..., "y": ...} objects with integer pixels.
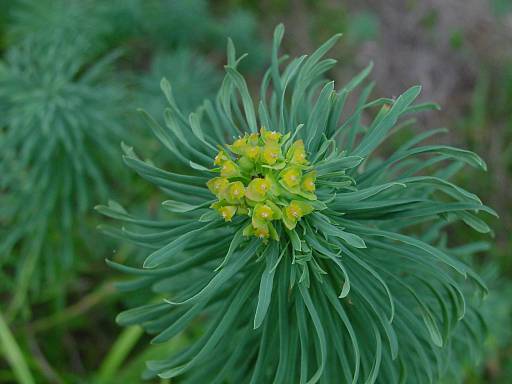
[
  {"x": 73, "y": 72},
  {"x": 58, "y": 132}
]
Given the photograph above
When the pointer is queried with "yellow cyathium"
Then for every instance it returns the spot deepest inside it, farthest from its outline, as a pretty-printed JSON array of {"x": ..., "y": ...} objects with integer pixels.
[{"x": 266, "y": 177}]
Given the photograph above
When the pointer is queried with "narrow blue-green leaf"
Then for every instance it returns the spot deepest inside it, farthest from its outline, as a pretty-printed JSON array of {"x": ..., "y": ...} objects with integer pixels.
[
  {"x": 224, "y": 274},
  {"x": 238, "y": 239},
  {"x": 180, "y": 207},
  {"x": 169, "y": 251},
  {"x": 374, "y": 137},
  {"x": 319, "y": 331},
  {"x": 266, "y": 285}
]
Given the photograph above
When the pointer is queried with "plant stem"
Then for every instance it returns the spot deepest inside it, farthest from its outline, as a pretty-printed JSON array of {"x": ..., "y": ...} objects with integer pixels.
[
  {"x": 42, "y": 363},
  {"x": 25, "y": 276},
  {"x": 74, "y": 310},
  {"x": 13, "y": 354},
  {"x": 121, "y": 348}
]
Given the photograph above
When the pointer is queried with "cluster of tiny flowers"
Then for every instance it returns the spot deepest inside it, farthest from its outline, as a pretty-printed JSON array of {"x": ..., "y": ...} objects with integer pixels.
[{"x": 266, "y": 177}]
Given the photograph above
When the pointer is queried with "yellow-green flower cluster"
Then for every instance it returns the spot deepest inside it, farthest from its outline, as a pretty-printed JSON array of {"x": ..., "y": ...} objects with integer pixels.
[{"x": 266, "y": 177}]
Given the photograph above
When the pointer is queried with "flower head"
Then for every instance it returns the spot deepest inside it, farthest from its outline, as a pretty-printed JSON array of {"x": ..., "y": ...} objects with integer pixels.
[
  {"x": 255, "y": 191},
  {"x": 253, "y": 153}
]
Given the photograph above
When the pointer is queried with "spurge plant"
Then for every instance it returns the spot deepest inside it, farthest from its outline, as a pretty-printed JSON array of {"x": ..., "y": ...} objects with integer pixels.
[{"x": 301, "y": 255}]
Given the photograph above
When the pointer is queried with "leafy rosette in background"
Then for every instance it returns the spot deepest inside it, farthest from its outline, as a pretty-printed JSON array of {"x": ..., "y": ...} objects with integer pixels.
[
  {"x": 242, "y": 27},
  {"x": 340, "y": 277},
  {"x": 49, "y": 21},
  {"x": 182, "y": 68},
  {"x": 60, "y": 116}
]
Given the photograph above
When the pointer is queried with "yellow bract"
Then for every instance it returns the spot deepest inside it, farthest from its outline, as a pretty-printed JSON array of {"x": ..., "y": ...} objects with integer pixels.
[
  {"x": 261, "y": 232},
  {"x": 293, "y": 210},
  {"x": 308, "y": 182},
  {"x": 229, "y": 169},
  {"x": 227, "y": 212},
  {"x": 297, "y": 154},
  {"x": 270, "y": 136},
  {"x": 239, "y": 145},
  {"x": 221, "y": 158},
  {"x": 217, "y": 185},
  {"x": 258, "y": 189},
  {"x": 291, "y": 177},
  {"x": 252, "y": 152},
  {"x": 262, "y": 212},
  {"x": 271, "y": 153},
  {"x": 235, "y": 192},
  {"x": 258, "y": 181}
]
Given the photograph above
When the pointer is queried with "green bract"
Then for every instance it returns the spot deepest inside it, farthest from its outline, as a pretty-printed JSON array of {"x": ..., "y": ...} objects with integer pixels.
[{"x": 358, "y": 290}]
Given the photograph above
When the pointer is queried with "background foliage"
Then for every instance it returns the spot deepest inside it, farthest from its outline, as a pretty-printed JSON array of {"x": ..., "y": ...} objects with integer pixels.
[{"x": 100, "y": 60}]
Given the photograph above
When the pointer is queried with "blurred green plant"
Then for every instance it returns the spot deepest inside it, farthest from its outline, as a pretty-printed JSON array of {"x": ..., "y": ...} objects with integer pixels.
[
  {"x": 486, "y": 128},
  {"x": 501, "y": 8},
  {"x": 241, "y": 27},
  {"x": 182, "y": 68},
  {"x": 61, "y": 122},
  {"x": 360, "y": 289},
  {"x": 48, "y": 21}
]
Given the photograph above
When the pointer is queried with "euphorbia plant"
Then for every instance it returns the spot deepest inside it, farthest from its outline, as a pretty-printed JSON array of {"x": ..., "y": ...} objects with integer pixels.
[
  {"x": 305, "y": 256},
  {"x": 60, "y": 124}
]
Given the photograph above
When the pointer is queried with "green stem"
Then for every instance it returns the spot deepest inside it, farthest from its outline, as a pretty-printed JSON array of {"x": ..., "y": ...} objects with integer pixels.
[
  {"x": 23, "y": 283},
  {"x": 117, "y": 354},
  {"x": 13, "y": 354},
  {"x": 75, "y": 310}
]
